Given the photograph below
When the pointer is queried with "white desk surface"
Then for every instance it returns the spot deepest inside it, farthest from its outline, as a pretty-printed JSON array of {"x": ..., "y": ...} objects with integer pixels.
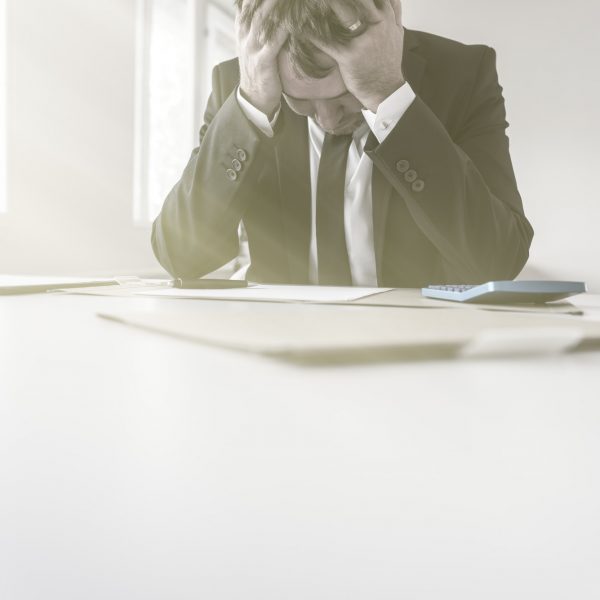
[{"x": 134, "y": 465}]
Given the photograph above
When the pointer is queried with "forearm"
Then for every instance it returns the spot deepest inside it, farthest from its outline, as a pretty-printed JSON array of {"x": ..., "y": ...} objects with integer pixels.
[
  {"x": 463, "y": 197},
  {"x": 196, "y": 231}
]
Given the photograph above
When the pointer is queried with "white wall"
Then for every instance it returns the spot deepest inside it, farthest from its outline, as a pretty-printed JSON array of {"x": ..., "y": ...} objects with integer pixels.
[
  {"x": 70, "y": 139},
  {"x": 548, "y": 53}
]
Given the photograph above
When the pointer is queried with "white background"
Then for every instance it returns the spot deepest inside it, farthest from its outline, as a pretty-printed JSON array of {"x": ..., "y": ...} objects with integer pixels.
[
  {"x": 548, "y": 62},
  {"x": 71, "y": 126}
]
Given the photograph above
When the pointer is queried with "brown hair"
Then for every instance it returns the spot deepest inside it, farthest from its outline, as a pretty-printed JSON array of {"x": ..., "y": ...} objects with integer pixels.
[{"x": 305, "y": 19}]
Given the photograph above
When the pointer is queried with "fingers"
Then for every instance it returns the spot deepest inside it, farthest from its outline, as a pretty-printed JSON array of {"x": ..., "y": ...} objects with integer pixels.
[
  {"x": 259, "y": 18},
  {"x": 252, "y": 13},
  {"x": 383, "y": 9},
  {"x": 265, "y": 7},
  {"x": 349, "y": 16},
  {"x": 257, "y": 31},
  {"x": 388, "y": 10},
  {"x": 372, "y": 9},
  {"x": 346, "y": 15},
  {"x": 243, "y": 18},
  {"x": 262, "y": 28},
  {"x": 276, "y": 42},
  {"x": 397, "y": 8}
]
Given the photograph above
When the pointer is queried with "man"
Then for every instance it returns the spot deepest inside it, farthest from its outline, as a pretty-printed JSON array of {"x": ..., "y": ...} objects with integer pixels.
[{"x": 354, "y": 151}]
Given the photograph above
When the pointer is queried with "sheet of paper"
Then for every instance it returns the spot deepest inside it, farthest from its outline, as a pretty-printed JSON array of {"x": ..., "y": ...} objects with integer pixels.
[
  {"x": 406, "y": 297},
  {"x": 16, "y": 281},
  {"x": 318, "y": 329},
  {"x": 277, "y": 293}
]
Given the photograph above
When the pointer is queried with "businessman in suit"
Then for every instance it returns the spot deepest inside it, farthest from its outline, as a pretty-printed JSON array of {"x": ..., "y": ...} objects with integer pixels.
[{"x": 354, "y": 152}]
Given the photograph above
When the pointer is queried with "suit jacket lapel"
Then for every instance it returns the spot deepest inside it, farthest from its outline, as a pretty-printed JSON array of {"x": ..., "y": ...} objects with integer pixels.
[
  {"x": 292, "y": 156},
  {"x": 413, "y": 66}
]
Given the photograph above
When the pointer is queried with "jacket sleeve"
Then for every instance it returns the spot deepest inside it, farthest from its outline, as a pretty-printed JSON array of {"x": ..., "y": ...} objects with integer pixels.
[
  {"x": 461, "y": 190},
  {"x": 196, "y": 231}
]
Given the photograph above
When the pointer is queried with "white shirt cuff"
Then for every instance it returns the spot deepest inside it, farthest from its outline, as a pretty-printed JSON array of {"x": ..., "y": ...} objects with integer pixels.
[
  {"x": 257, "y": 117},
  {"x": 390, "y": 111}
]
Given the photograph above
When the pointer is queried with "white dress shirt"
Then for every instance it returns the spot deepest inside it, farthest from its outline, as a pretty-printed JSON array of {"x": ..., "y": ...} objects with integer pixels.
[{"x": 358, "y": 199}]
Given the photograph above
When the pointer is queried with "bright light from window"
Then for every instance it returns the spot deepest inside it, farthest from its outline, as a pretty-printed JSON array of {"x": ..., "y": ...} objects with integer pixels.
[
  {"x": 165, "y": 93},
  {"x": 3, "y": 95},
  {"x": 178, "y": 44},
  {"x": 219, "y": 44}
]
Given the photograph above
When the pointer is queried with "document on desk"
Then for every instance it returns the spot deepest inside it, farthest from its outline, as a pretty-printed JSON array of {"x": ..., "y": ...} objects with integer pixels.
[
  {"x": 388, "y": 297},
  {"x": 268, "y": 293},
  {"x": 28, "y": 284},
  {"x": 412, "y": 298},
  {"x": 311, "y": 332}
]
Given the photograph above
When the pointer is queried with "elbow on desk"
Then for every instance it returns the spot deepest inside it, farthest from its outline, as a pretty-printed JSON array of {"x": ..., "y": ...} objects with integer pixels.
[
  {"x": 493, "y": 258},
  {"x": 508, "y": 259},
  {"x": 189, "y": 260}
]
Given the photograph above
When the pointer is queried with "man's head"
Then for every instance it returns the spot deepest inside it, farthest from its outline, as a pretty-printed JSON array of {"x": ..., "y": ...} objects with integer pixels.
[{"x": 311, "y": 80}]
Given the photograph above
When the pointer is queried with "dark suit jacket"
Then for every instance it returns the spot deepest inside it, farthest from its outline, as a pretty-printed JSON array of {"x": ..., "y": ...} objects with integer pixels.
[{"x": 465, "y": 226}]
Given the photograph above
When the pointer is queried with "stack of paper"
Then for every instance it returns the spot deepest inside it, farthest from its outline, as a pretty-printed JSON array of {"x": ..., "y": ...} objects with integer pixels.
[
  {"x": 268, "y": 293},
  {"x": 306, "y": 332},
  {"x": 29, "y": 284}
]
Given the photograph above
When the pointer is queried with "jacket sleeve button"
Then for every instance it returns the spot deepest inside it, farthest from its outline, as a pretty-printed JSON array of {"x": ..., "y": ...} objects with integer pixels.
[
  {"x": 418, "y": 186},
  {"x": 236, "y": 164},
  {"x": 241, "y": 154},
  {"x": 411, "y": 176},
  {"x": 231, "y": 174},
  {"x": 402, "y": 166}
]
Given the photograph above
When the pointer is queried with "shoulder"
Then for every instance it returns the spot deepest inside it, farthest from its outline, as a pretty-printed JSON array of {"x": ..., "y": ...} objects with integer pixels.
[
  {"x": 226, "y": 77},
  {"x": 456, "y": 77},
  {"x": 449, "y": 62},
  {"x": 443, "y": 49}
]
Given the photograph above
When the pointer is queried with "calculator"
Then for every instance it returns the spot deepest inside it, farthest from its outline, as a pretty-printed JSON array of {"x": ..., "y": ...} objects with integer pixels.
[{"x": 507, "y": 292}]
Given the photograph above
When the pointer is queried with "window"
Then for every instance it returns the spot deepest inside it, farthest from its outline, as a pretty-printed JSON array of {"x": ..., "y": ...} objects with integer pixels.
[
  {"x": 3, "y": 96},
  {"x": 219, "y": 44},
  {"x": 178, "y": 43},
  {"x": 164, "y": 96}
]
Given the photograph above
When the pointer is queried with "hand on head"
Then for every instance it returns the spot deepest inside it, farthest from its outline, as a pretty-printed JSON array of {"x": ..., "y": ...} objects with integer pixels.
[
  {"x": 360, "y": 39},
  {"x": 260, "y": 41},
  {"x": 371, "y": 62}
]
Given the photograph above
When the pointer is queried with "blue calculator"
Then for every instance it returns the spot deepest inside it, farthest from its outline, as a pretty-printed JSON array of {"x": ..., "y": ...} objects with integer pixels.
[{"x": 507, "y": 292}]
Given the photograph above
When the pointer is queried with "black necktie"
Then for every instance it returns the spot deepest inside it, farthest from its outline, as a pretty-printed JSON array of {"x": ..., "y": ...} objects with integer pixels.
[{"x": 332, "y": 254}]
